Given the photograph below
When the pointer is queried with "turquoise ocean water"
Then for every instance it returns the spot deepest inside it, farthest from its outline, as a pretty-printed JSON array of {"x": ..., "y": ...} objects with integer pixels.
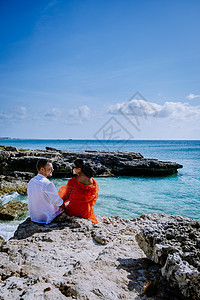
[{"x": 130, "y": 197}]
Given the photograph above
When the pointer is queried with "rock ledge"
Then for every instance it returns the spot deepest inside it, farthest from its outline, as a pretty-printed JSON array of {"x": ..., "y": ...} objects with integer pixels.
[
  {"x": 76, "y": 259},
  {"x": 104, "y": 162},
  {"x": 174, "y": 243}
]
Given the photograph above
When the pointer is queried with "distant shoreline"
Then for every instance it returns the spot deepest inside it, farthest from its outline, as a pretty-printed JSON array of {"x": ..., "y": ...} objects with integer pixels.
[{"x": 82, "y": 139}]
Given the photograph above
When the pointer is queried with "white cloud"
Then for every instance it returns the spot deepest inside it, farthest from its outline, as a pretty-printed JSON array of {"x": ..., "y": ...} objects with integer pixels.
[
  {"x": 135, "y": 107},
  {"x": 192, "y": 96},
  {"x": 15, "y": 115},
  {"x": 80, "y": 114},
  {"x": 20, "y": 113},
  {"x": 73, "y": 116},
  {"x": 4, "y": 117},
  {"x": 53, "y": 115},
  {"x": 142, "y": 108}
]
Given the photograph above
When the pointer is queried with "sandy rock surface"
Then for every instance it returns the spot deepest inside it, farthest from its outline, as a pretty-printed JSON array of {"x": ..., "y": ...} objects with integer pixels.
[{"x": 79, "y": 260}]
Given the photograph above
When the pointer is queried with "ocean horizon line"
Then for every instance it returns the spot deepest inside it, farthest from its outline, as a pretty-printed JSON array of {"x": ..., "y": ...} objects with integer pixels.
[{"x": 88, "y": 139}]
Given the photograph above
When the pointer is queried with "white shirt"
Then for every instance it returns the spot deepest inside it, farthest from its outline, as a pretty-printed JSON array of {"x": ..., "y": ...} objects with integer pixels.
[{"x": 44, "y": 200}]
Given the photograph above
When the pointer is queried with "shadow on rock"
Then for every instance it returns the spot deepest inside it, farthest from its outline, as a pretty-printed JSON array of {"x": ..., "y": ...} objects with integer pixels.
[
  {"x": 28, "y": 227},
  {"x": 145, "y": 277}
]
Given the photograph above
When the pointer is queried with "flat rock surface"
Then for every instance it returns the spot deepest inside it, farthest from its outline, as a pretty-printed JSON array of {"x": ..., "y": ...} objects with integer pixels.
[
  {"x": 79, "y": 260},
  {"x": 12, "y": 209}
]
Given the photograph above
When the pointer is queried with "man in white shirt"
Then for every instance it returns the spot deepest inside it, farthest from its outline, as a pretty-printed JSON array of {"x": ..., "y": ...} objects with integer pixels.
[{"x": 44, "y": 202}]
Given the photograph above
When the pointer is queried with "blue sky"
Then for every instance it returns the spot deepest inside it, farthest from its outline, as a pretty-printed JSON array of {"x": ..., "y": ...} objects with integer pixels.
[{"x": 97, "y": 69}]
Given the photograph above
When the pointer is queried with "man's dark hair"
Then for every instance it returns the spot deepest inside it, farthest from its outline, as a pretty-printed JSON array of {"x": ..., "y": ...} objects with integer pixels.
[{"x": 41, "y": 163}]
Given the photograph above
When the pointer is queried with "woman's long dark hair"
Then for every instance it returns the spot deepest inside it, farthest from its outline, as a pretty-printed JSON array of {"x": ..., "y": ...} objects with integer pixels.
[{"x": 86, "y": 167}]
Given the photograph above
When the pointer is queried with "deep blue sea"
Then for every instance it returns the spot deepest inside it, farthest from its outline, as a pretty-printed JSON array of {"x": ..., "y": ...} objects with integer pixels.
[{"x": 130, "y": 197}]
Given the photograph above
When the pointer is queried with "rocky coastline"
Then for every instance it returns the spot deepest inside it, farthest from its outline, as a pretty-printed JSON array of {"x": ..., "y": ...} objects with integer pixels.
[
  {"x": 18, "y": 166},
  {"x": 143, "y": 258},
  {"x": 150, "y": 257}
]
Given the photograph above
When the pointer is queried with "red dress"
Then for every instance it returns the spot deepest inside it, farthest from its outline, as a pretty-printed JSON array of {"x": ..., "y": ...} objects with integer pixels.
[{"x": 80, "y": 199}]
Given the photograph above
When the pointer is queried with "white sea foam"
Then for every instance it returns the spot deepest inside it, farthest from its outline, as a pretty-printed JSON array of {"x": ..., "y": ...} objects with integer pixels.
[
  {"x": 7, "y": 197},
  {"x": 7, "y": 229}
]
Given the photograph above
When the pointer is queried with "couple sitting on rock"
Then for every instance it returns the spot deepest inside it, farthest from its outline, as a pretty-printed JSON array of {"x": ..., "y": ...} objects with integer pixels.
[{"x": 76, "y": 198}]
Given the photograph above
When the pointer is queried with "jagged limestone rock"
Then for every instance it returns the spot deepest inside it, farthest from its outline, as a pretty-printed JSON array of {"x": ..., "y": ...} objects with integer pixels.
[
  {"x": 13, "y": 209},
  {"x": 11, "y": 184},
  {"x": 104, "y": 162},
  {"x": 173, "y": 242}
]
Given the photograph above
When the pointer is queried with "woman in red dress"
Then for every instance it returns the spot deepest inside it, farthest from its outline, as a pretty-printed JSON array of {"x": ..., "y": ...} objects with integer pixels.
[{"x": 81, "y": 192}]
